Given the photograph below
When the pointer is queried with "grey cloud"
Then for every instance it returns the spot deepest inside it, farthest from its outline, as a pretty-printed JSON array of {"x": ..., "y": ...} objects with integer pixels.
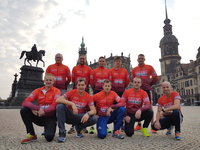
[
  {"x": 18, "y": 23},
  {"x": 80, "y": 13},
  {"x": 60, "y": 21},
  {"x": 87, "y": 2}
]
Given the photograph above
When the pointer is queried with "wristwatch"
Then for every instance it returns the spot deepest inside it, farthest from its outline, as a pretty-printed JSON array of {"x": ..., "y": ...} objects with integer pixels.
[
  {"x": 89, "y": 113},
  {"x": 163, "y": 110}
]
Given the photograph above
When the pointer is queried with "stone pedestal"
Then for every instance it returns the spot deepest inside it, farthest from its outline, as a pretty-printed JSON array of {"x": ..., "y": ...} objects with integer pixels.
[{"x": 30, "y": 79}]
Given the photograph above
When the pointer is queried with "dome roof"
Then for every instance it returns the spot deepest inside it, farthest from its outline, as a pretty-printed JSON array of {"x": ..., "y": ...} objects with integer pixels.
[{"x": 168, "y": 39}]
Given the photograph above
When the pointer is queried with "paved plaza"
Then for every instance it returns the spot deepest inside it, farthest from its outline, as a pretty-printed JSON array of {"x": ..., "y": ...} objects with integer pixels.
[{"x": 12, "y": 131}]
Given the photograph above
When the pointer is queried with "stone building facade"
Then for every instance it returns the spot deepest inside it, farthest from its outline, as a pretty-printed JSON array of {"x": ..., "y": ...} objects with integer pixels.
[{"x": 184, "y": 78}]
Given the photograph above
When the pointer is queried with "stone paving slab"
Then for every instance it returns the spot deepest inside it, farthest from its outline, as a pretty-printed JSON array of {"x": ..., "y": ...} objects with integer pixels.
[{"x": 12, "y": 131}]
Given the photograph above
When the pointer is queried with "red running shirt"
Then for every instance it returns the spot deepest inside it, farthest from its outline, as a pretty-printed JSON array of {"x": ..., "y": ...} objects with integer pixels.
[
  {"x": 80, "y": 101},
  {"x": 81, "y": 71},
  {"x": 45, "y": 101},
  {"x": 145, "y": 72},
  {"x": 61, "y": 72},
  {"x": 103, "y": 101},
  {"x": 119, "y": 79},
  {"x": 136, "y": 100},
  {"x": 97, "y": 77},
  {"x": 168, "y": 101}
]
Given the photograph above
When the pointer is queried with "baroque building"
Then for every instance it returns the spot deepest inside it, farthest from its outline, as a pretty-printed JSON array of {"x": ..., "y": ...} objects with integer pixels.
[
  {"x": 184, "y": 78},
  {"x": 109, "y": 63}
]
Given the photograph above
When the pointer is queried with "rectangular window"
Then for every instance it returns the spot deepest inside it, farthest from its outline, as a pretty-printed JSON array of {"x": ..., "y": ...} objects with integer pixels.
[
  {"x": 190, "y": 82},
  {"x": 196, "y": 90},
  {"x": 186, "y": 83},
  {"x": 192, "y": 91},
  {"x": 195, "y": 82}
]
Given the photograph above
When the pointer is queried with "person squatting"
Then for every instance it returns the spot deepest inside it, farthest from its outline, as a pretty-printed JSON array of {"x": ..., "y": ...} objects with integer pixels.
[{"x": 107, "y": 105}]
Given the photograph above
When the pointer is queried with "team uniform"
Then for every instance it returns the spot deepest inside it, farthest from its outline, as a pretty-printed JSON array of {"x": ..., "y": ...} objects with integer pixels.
[
  {"x": 103, "y": 102},
  {"x": 65, "y": 113},
  {"x": 61, "y": 72},
  {"x": 97, "y": 78},
  {"x": 175, "y": 118},
  {"x": 136, "y": 100},
  {"x": 145, "y": 72},
  {"x": 81, "y": 71},
  {"x": 46, "y": 101},
  {"x": 119, "y": 79}
]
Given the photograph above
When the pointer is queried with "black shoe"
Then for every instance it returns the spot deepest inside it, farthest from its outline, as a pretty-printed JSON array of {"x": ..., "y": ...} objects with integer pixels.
[
  {"x": 78, "y": 133},
  {"x": 84, "y": 131},
  {"x": 71, "y": 130},
  {"x": 61, "y": 137}
]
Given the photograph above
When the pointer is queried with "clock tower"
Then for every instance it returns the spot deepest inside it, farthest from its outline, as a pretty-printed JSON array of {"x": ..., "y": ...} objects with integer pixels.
[{"x": 169, "y": 49}]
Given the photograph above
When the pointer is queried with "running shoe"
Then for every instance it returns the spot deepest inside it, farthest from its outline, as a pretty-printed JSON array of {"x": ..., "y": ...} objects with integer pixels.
[
  {"x": 138, "y": 127},
  {"x": 29, "y": 139},
  {"x": 91, "y": 130},
  {"x": 178, "y": 135},
  {"x": 71, "y": 130},
  {"x": 144, "y": 131},
  {"x": 42, "y": 133},
  {"x": 169, "y": 131},
  {"x": 154, "y": 131},
  {"x": 84, "y": 131},
  {"x": 117, "y": 134},
  {"x": 108, "y": 130},
  {"x": 78, "y": 133},
  {"x": 61, "y": 137}
]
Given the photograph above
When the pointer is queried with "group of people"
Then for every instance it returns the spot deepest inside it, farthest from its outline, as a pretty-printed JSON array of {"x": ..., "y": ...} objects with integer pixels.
[{"x": 110, "y": 102}]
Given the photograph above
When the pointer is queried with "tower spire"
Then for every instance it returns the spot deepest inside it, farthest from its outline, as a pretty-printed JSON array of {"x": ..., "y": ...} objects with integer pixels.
[
  {"x": 166, "y": 10},
  {"x": 167, "y": 20},
  {"x": 82, "y": 44},
  {"x": 169, "y": 48}
]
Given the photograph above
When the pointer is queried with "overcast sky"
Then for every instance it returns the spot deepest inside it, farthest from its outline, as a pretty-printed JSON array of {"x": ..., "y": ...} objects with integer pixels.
[{"x": 108, "y": 26}]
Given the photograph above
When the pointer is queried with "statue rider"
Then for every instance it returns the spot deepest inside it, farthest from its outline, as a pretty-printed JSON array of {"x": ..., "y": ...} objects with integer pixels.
[{"x": 34, "y": 52}]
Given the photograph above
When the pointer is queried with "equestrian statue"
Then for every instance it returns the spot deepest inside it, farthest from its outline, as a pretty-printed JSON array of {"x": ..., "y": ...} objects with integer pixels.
[{"x": 33, "y": 55}]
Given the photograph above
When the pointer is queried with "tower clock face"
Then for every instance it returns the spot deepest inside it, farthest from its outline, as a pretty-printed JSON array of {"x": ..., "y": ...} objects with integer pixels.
[{"x": 167, "y": 62}]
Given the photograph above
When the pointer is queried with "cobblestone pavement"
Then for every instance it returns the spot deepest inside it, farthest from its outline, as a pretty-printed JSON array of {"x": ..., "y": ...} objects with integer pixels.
[{"x": 12, "y": 131}]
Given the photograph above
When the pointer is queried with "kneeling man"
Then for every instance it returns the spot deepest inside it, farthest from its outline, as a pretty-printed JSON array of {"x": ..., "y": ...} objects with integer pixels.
[
  {"x": 71, "y": 110},
  {"x": 169, "y": 111},
  {"x": 42, "y": 114},
  {"x": 109, "y": 112},
  {"x": 138, "y": 108}
]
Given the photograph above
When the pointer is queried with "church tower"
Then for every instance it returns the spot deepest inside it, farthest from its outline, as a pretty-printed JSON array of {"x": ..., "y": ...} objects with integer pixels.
[
  {"x": 83, "y": 50},
  {"x": 169, "y": 49}
]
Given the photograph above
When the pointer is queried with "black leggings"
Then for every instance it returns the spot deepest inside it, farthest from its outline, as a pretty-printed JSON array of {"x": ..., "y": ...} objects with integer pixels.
[
  {"x": 145, "y": 115},
  {"x": 49, "y": 123},
  {"x": 174, "y": 119}
]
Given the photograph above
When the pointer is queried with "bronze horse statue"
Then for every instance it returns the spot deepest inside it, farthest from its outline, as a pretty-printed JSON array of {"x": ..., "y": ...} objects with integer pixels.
[{"x": 29, "y": 56}]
